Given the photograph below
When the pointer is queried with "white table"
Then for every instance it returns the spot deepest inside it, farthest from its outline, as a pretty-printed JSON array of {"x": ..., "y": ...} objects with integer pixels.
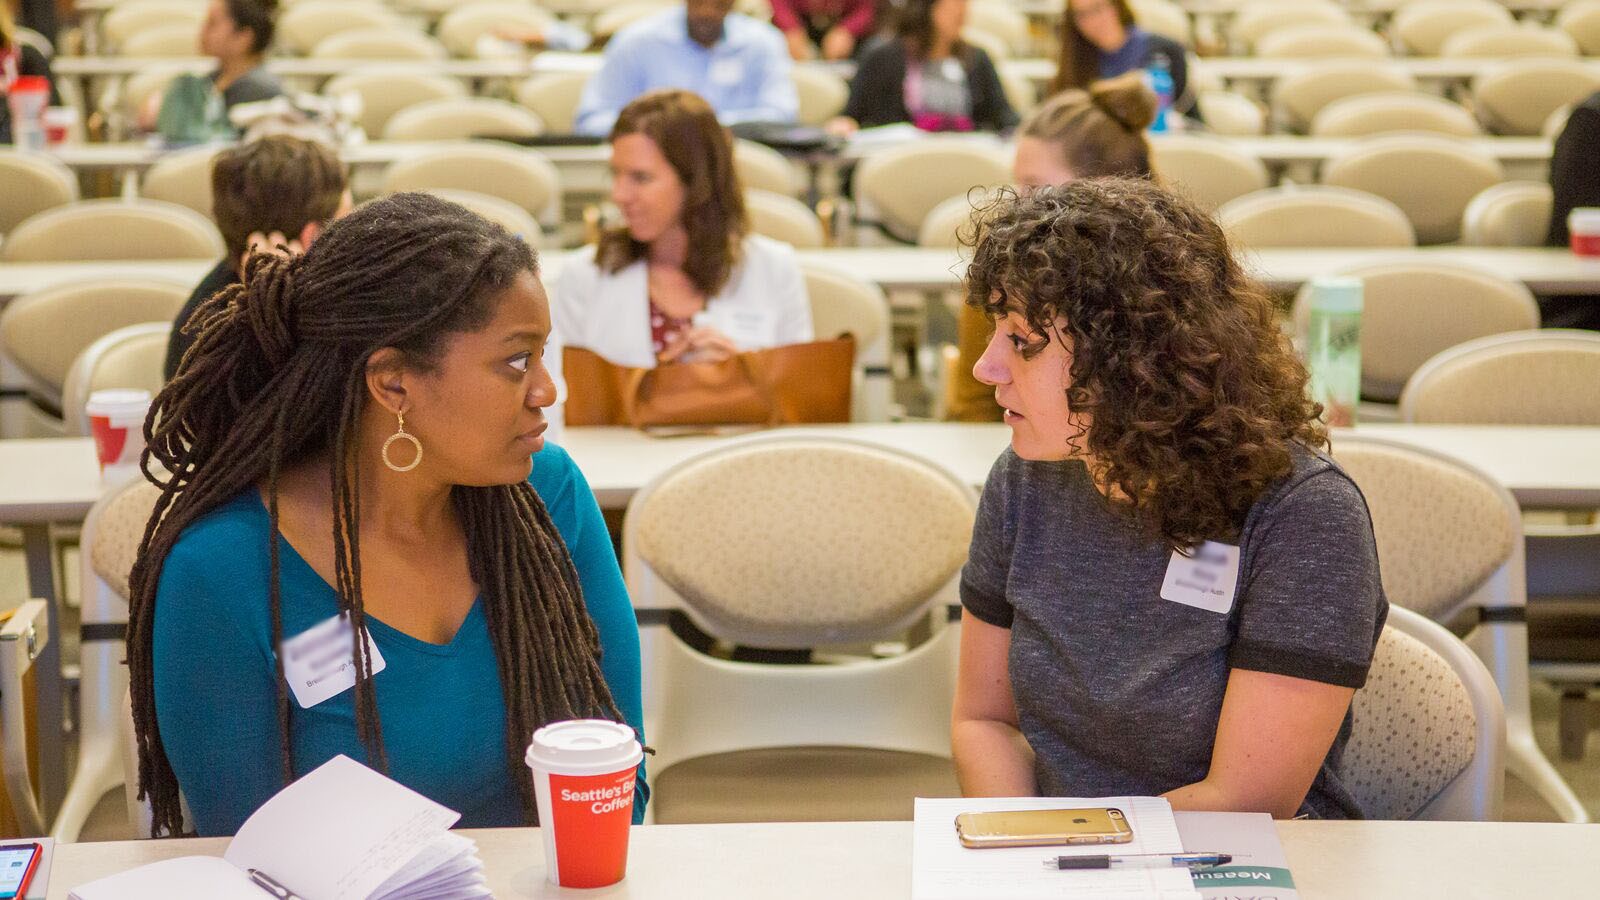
[
  {"x": 1545, "y": 270},
  {"x": 872, "y": 861}
]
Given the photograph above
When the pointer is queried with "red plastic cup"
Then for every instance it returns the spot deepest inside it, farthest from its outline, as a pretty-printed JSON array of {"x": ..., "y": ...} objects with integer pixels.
[
  {"x": 116, "y": 420},
  {"x": 58, "y": 122},
  {"x": 1583, "y": 230},
  {"x": 583, "y": 778}
]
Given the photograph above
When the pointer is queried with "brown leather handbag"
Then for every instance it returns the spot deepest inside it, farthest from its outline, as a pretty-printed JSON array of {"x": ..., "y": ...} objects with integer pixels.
[{"x": 792, "y": 384}]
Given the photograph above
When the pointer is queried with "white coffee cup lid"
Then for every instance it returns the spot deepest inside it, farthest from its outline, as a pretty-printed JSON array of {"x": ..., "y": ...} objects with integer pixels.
[
  {"x": 1584, "y": 219},
  {"x": 115, "y": 401},
  {"x": 584, "y": 747}
]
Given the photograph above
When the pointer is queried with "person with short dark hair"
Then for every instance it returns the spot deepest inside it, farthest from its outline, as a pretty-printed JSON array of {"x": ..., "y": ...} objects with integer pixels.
[
  {"x": 1172, "y": 589},
  {"x": 236, "y": 33},
  {"x": 927, "y": 75},
  {"x": 1574, "y": 182},
  {"x": 279, "y": 190}
]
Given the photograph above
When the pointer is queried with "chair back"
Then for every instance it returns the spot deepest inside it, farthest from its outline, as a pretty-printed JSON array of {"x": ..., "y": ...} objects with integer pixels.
[
  {"x": 903, "y": 184},
  {"x": 1414, "y": 310},
  {"x": 619, "y": 15},
  {"x": 1535, "y": 377},
  {"x": 764, "y": 169},
  {"x": 840, "y": 303},
  {"x": 1165, "y": 18},
  {"x": 1319, "y": 41},
  {"x": 1517, "y": 96},
  {"x": 1302, "y": 92},
  {"x": 519, "y": 175},
  {"x": 1508, "y": 41},
  {"x": 554, "y": 98},
  {"x": 379, "y": 43},
  {"x": 504, "y": 213},
  {"x": 460, "y": 28},
  {"x": 822, "y": 94},
  {"x": 32, "y": 183},
  {"x": 1315, "y": 216},
  {"x": 462, "y": 118},
  {"x": 1005, "y": 22},
  {"x": 1581, "y": 19},
  {"x": 44, "y": 332},
  {"x": 129, "y": 17},
  {"x": 783, "y": 218},
  {"x": 163, "y": 41},
  {"x": 23, "y": 636},
  {"x": 1231, "y": 115},
  {"x": 184, "y": 178},
  {"x": 945, "y": 223},
  {"x": 1256, "y": 20},
  {"x": 386, "y": 91},
  {"x": 1431, "y": 177},
  {"x": 113, "y": 229},
  {"x": 1208, "y": 170},
  {"x": 1423, "y": 26},
  {"x": 1369, "y": 114},
  {"x": 130, "y": 357},
  {"x": 1510, "y": 214},
  {"x": 1429, "y": 733},
  {"x": 308, "y": 23}
]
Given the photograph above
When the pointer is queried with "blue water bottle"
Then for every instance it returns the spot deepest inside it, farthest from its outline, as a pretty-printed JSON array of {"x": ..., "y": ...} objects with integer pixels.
[
  {"x": 1160, "y": 77},
  {"x": 1333, "y": 348}
]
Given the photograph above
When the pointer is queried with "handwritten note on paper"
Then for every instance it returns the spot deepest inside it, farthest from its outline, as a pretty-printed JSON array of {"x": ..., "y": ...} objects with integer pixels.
[{"x": 942, "y": 869}]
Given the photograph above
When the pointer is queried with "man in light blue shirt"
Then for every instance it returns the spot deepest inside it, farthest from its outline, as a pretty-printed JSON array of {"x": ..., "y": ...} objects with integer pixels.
[{"x": 738, "y": 64}]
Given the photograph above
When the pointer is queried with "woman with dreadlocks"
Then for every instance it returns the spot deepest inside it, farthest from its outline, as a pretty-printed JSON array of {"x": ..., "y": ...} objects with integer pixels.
[{"x": 349, "y": 445}]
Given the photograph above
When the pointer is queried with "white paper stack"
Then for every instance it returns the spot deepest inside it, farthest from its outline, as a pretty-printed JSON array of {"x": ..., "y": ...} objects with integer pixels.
[{"x": 942, "y": 869}]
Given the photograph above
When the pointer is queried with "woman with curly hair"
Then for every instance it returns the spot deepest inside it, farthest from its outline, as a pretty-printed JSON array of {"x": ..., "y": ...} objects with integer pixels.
[{"x": 1171, "y": 588}]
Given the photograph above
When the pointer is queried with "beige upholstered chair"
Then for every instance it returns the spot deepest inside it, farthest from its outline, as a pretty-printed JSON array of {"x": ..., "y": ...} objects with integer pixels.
[
  {"x": 461, "y": 118},
  {"x": 386, "y": 91},
  {"x": 1258, "y": 19},
  {"x": 1450, "y": 549},
  {"x": 554, "y": 98},
  {"x": 1581, "y": 19},
  {"x": 1231, "y": 115},
  {"x": 1001, "y": 19},
  {"x": 310, "y": 22},
  {"x": 163, "y": 41},
  {"x": 842, "y": 302},
  {"x": 504, "y": 213},
  {"x": 32, "y": 183},
  {"x": 944, "y": 224},
  {"x": 786, "y": 542},
  {"x": 521, "y": 176},
  {"x": 822, "y": 93},
  {"x": 1415, "y": 309},
  {"x": 619, "y": 15},
  {"x": 1369, "y": 114},
  {"x": 1165, "y": 18},
  {"x": 1508, "y": 41},
  {"x": 1429, "y": 732},
  {"x": 1431, "y": 177},
  {"x": 1303, "y": 91},
  {"x": 127, "y": 18},
  {"x": 764, "y": 169},
  {"x": 460, "y": 28},
  {"x": 183, "y": 178},
  {"x": 1209, "y": 170},
  {"x": 379, "y": 43},
  {"x": 113, "y": 229},
  {"x": 1315, "y": 216},
  {"x": 1423, "y": 26},
  {"x": 1020, "y": 91},
  {"x": 1518, "y": 96},
  {"x": 1510, "y": 214},
  {"x": 130, "y": 357},
  {"x": 783, "y": 218},
  {"x": 122, "y": 101},
  {"x": 42, "y": 333},
  {"x": 903, "y": 184},
  {"x": 1322, "y": 41}
]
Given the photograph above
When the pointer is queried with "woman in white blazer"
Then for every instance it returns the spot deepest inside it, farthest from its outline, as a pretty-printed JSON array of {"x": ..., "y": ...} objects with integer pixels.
[{"x": 682, "y": 279}]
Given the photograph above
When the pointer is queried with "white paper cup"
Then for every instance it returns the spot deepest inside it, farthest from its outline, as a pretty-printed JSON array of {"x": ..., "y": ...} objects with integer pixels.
[
  {"x": 583, "y": 777},
  {"x": 116, "y": 420},
  {"x": 1583, "y": 230}
]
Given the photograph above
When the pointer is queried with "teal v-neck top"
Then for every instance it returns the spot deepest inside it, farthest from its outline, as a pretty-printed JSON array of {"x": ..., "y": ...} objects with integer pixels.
[{"x": 441, "y": 706}]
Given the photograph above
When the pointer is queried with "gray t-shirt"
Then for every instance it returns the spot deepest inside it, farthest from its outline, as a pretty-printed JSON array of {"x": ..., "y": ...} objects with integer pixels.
[{"x": 1119, "y": 691}]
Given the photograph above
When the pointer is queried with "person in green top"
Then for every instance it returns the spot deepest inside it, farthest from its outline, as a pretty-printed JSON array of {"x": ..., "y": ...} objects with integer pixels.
[{"x": 346, "y": 452}]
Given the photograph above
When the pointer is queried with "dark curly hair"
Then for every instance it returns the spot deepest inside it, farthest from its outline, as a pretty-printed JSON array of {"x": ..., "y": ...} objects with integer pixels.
[{"x": 1193, "y": 395}]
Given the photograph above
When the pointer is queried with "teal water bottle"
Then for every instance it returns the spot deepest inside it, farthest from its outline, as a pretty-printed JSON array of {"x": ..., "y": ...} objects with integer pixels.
[
  {"x": 1159, "y": 76},
  {"x": 1333, "y": 348}
]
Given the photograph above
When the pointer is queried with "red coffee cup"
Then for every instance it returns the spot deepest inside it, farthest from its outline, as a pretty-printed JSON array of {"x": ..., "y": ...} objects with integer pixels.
[
  {"x": 1583, "y": 230},
  {"x": 58, "y": 122},
  {"x": 583, "y": 777},
  {"x": 116, "y": 420}
]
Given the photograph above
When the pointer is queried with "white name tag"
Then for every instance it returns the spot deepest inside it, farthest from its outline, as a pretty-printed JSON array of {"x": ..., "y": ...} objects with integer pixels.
[
  {"x": 1207, "y": 580},
  {"x": 725, "y": 72},
  {"x": 317, "y": 662}
]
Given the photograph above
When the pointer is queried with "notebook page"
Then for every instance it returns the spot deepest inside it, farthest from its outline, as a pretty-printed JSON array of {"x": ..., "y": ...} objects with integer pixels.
[
  {"x": 942, "y": 869},
  {"x": 449, "y": 859},
  {"x": 339, "y": 832},
  {"x": 186, "y": 876}
]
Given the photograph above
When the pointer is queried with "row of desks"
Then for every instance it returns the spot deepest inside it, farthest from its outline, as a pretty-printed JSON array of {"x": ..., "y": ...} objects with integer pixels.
[{"x": 1545, "y": 270}]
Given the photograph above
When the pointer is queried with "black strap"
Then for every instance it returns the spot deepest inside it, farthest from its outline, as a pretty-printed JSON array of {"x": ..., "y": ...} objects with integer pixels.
[
  {"x": 89, "y": 632},
  {"x": 1513, "y": 614}
]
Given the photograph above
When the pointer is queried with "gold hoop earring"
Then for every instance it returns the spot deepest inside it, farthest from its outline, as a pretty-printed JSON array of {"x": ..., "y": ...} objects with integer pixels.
[{"x": 402, "y": 435}]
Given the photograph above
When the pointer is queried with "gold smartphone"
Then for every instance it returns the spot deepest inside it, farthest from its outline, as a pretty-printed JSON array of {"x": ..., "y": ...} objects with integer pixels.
[{"x": 1043, "y": 827}]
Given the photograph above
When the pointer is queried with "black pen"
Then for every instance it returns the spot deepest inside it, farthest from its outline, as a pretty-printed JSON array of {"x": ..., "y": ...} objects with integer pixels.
[
  {"x": 270, "y": 885},
  {"x": 1138, "y": 860}
]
